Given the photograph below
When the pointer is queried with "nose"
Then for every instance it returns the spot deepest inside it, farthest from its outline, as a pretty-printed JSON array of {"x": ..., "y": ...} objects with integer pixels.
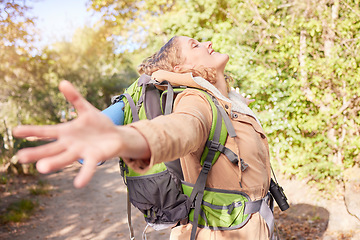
[{"x": 208, "y": 44}]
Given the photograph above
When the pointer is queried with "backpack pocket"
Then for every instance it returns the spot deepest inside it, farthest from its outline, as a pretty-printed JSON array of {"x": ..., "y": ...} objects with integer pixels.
[
  {"x": 220, "y": 209},
  {"x": 158, "y": 197}
]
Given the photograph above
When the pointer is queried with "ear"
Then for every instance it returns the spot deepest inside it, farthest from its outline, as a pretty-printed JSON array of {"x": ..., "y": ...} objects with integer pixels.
[
  {"x": 182, "y": 67},
  {"x": 177, "y": 68}
]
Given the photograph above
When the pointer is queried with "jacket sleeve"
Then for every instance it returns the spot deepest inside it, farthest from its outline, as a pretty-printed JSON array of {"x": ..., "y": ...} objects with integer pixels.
[{"x": 175, "y": 135}]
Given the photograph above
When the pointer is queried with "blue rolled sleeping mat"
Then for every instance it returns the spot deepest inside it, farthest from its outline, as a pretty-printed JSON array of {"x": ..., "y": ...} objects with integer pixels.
[{"x": 116, "y": 113}]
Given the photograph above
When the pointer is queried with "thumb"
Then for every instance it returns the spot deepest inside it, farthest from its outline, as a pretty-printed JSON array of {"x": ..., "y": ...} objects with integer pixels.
[{"x": 74, "y": 97}]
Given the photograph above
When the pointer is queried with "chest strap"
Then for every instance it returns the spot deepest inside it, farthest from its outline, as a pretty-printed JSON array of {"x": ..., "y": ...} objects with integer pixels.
[{"x": 233, "y": 157}]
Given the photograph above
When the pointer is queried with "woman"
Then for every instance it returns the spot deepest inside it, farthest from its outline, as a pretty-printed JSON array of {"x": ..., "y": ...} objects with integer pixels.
[{"x": 182, "y": 134}]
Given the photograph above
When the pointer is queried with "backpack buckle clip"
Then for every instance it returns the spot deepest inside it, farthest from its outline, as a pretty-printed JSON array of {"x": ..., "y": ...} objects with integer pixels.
[
  {"x": 244, "y": 165},
  {"x": 213, "y": 146},
  {"x": 206, "y": 167}
]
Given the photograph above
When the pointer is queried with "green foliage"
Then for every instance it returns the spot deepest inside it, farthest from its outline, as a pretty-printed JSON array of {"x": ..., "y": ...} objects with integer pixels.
[
  {"x": 15, "y": 24},
  {"x": 29, "y": 92},
  {"x": 90, "y": 63},
  {"x": 297, "y": 59},
  {"x": 19, "y": 211},
  {"x": 16, "y": 29}
]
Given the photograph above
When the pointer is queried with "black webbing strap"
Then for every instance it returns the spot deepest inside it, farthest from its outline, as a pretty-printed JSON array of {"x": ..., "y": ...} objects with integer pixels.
[
  {"x": 231, "y": 131},
  {"x": 128, "y": 206},
  {"x": 169, "y": 99},
  {"x": 151, "y": 99},
  {"x": 264, "y": 210},
  {"x": 199, "y": 187},
  {"x": 225, "y": 117},
  {"x": 133, "y": 108},
  {"x": 135, "y": 116},
  {"x": 233, "y": 157},
  {"x": 143, "y": 82},
  {"x": 169, "y": 95},
  {"x": 199, "y": 194}
]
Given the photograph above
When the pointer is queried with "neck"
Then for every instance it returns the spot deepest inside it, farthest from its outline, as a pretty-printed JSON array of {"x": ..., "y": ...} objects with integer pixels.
[{"x": 221, "y": 84}]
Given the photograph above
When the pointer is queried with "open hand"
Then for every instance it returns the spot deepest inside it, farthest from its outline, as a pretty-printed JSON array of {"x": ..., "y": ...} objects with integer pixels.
[{"x": 92, "y": 136}]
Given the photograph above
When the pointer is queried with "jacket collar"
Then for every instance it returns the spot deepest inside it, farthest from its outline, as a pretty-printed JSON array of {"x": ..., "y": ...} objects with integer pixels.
[{"x": 186, "y": 79}]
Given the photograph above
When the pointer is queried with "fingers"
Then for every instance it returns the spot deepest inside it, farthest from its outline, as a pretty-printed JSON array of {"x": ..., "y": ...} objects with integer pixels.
[
  {"x": 49, "y": 131},
  {"x": 91, "y": 160},
  {"x": 33, "y": 154},
  {"x": 86, "y": 172},
  {"x": 58, "y": 161},
  {"x": 74, "y": 97},
  {"x": 54, "y": 156}
]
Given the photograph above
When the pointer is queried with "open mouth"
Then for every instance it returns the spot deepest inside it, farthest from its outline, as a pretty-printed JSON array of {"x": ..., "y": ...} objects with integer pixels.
[{"x": 212, "y": 52}]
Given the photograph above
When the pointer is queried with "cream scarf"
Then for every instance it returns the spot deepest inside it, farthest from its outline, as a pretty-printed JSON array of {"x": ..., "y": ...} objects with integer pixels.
[{"x": 237, "y": 102}]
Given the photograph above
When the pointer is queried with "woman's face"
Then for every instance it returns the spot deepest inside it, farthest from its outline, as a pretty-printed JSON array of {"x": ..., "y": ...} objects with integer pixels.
[{"x": 196, "y": 54}]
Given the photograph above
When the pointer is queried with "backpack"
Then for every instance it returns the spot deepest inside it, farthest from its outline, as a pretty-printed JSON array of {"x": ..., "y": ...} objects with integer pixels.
[{"x": 161, "y": 194}]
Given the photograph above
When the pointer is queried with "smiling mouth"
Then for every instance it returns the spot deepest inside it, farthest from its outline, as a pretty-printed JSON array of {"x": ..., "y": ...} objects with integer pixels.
[{"x": 212, "y": 52}]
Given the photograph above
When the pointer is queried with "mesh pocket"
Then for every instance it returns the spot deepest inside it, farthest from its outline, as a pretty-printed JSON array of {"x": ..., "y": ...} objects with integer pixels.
[{"x": 158, "y": 198}]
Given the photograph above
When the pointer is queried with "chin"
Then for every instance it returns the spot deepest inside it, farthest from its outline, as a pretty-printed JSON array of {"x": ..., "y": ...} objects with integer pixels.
[
  {"x": 226, "y": 56},
  {"x": 224, "y": 59}
]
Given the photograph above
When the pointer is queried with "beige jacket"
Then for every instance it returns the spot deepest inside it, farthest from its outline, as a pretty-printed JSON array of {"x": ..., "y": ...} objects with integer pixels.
[{"x": 183, "y": 135}]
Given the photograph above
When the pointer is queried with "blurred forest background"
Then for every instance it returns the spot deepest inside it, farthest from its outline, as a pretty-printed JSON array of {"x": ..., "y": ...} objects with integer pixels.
[{"x": 298, "y": 58}]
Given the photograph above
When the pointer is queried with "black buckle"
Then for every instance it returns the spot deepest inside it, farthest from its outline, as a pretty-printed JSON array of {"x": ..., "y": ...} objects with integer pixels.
[
  {"x": 213, "y": 146},
  {"x": 122, "y": 168},
  {"x": 244, "y": 165},
  {"x": 116, "y": 99},
  {"x": 206, "y": 167}
]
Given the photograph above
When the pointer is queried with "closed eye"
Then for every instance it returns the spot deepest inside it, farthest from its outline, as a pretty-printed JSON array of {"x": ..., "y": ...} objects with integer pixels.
[{"x": 193, "y": 43}]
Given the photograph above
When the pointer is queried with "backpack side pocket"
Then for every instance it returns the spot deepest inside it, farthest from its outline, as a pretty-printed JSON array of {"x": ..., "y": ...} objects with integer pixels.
[{"x": 158, "y": 197}]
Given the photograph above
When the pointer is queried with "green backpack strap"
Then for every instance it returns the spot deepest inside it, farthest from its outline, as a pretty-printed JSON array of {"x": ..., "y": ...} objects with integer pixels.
[
  {"x": 231, "y": 131},
  {"x": 221, "y": 127},
  {"x": 197, "y": 193}
]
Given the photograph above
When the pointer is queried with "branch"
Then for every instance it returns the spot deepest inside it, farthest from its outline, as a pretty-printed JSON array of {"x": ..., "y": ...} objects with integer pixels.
[
  {"x": 343, "y": 108},
  {"x": 348, "y": 6},
  {"x": 258, "y": 14},
  {"x": 237, "y": 23}
]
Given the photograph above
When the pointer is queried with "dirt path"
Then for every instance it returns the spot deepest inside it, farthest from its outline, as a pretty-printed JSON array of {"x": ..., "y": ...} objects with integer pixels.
[{"x": 98, "y": 211}]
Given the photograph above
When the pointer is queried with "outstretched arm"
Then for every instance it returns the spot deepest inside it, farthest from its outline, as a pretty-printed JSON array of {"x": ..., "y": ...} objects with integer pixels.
[{"x": 92, "y": 136}]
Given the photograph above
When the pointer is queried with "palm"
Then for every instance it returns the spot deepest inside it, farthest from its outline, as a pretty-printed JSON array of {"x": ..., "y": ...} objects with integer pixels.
[{"x": 92, "y": 136}]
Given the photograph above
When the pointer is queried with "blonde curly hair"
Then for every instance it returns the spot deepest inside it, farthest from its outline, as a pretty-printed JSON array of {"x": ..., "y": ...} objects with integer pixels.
[{"x": 169, "y": 56}]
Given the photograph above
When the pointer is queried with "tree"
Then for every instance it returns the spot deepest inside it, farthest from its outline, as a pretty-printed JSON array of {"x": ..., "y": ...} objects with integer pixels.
[
  {"x": 29, "y": 93},
  {"x": 297, "y": 59},
  {"x": 15, "y": 39},
  {"x": 90, "y": 62}
]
